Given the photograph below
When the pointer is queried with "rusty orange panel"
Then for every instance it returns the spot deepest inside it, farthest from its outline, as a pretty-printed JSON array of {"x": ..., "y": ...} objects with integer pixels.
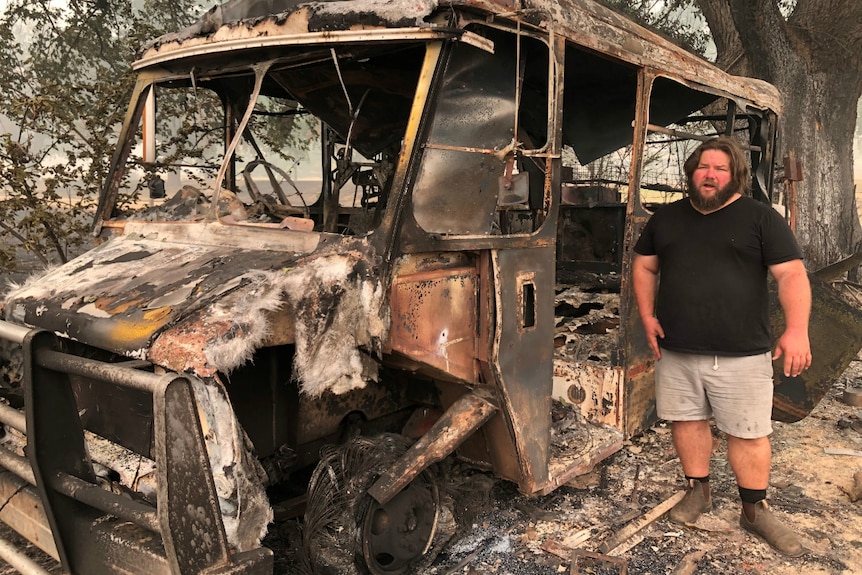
[
  {"x": 182, "y": 348},
  {"x": 434, "y": 319}
]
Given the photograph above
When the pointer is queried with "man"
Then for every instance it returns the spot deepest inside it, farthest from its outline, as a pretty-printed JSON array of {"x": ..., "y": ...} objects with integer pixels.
[{"x": 707, "y": 323}]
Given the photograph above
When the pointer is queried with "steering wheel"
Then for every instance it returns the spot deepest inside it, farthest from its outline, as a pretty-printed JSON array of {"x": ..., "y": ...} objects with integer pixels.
[{"x": 272, "y": 171}]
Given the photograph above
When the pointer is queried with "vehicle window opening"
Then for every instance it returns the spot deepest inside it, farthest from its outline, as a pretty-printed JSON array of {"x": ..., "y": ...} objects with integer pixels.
[
  {"x": 598, "y": 116},
  {"x": 482, "y": 170},
  {"x": 317, "y": 149},
  {"x": 680, "y": 119}
]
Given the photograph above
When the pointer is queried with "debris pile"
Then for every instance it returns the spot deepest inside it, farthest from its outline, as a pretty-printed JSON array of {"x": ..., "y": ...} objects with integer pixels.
[
  {"x": 612, "y": 520},
  {"x": 587, "y": 325}
]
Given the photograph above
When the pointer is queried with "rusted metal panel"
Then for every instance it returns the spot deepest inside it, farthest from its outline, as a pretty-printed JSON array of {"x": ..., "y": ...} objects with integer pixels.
[
  {"x": 596, "y": 390},
  {"x": 523, "y": 355},
  {"x": 434, "y": 319},
  {"x": 183, "y": 348},
  {"x": 639, "y": 387},
  {"x": 835, "y": 332},
  {"x": 583, "y": 21},
  {"x": 639, "y": 408}
]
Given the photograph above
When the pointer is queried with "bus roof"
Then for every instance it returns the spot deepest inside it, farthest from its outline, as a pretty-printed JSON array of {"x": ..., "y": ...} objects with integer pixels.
[{"x": 238, "y": 24}]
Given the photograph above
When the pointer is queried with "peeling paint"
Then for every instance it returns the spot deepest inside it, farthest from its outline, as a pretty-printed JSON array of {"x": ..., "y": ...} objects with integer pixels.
[{"x": 90, "y": 309}]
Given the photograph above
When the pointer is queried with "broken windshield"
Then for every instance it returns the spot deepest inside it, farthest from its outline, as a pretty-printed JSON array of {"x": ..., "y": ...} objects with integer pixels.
[{"x": 325, "y": 129}]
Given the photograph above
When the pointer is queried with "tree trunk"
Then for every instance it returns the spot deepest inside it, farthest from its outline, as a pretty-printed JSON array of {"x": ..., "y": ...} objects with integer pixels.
[
  {"x": 820, "y": 126},
  {"x": 813, "y": 58}
]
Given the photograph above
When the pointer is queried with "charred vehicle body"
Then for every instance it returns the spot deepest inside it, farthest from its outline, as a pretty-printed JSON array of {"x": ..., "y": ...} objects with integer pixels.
[{"x": 394, "y": 232}]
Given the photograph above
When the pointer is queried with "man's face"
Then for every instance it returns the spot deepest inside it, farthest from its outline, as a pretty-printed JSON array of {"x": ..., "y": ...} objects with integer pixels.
[{"x": 710, "y": 186}]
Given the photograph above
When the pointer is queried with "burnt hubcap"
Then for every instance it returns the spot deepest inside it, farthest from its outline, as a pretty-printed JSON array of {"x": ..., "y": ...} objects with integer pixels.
[{"x": 396, "y": 534}]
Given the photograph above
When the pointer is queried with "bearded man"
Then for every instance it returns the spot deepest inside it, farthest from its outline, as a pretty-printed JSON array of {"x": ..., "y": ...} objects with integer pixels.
[{"x": 707, "y": 324}]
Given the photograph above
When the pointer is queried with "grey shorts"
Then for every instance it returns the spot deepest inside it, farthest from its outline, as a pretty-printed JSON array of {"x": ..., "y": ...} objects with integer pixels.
[{"x": 736, "y": 391}]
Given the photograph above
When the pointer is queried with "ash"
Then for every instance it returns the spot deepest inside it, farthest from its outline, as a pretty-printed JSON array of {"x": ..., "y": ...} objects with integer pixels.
[{"x": 503, "y": 531}]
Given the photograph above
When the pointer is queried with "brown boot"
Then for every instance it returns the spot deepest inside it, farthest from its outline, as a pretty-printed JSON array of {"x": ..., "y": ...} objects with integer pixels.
[
  {"x": 696, "y": 501},
  {"x": 766, "y": 526}
]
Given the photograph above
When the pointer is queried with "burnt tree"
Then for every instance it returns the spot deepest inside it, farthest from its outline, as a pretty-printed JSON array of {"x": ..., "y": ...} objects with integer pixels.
[{"x": 813, "y": 57}]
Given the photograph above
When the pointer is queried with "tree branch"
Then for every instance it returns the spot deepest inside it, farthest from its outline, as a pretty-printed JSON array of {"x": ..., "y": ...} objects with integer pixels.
[
  {"x": 764, "y": 36},
  {"x": 12, "y": 232},
  {"x": 728, "y": 46}
]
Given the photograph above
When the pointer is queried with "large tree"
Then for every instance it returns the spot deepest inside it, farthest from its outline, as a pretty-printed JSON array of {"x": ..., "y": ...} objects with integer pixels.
[
  {"x": 65, "y": 68},
  {"x": 811, "y": 50},
  {"x": 814, "y": 57}
]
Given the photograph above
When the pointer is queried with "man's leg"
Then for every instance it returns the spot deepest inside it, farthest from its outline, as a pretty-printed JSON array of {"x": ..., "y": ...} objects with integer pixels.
[
  {"x": 681, "y": 399},
  {"x": 693, "y": 443},
  {"x": 750, "y": 460}
]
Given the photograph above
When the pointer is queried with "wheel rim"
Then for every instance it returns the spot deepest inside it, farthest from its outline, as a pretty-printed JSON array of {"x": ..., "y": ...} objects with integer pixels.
[
  {"x": 394, "y": 535},
  {"x": 348, "y": 532}
]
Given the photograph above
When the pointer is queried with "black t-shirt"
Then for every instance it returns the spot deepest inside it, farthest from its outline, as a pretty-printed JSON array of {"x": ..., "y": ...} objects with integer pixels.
[{"x": 712, "y": 295}]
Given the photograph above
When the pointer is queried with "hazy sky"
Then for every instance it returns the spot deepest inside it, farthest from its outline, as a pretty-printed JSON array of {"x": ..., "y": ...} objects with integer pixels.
[{"x": 857, "y": 144}]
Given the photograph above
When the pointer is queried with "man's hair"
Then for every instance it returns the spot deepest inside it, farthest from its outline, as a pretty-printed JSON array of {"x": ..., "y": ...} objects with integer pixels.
[{"x": 740, "y": 173}]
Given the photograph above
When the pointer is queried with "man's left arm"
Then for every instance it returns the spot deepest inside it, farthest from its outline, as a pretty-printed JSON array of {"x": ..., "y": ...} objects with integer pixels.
[{"x": 794, "y": 294}]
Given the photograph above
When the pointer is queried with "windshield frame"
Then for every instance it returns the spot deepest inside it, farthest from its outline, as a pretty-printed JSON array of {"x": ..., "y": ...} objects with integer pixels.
[{"x": 190, "y": 66}]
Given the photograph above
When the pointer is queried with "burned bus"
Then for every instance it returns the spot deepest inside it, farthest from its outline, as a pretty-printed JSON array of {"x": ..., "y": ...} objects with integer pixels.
[{"x": 392, "y": 233}]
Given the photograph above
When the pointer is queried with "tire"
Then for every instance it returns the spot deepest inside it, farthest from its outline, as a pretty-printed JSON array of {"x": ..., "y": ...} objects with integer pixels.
[{"x": 347, "y": 532}]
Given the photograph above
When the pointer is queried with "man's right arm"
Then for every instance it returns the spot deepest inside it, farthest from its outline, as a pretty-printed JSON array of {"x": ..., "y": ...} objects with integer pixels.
[{"x": 645, "y": 281}]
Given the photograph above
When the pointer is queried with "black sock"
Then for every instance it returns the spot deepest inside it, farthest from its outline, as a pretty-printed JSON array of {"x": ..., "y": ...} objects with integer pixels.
[
  {"x": 752, "y": 495},
  {"x": 700, "y": 479}
]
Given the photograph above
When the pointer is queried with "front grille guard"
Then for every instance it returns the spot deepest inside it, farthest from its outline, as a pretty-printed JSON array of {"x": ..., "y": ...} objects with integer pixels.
[{"x": 97, "y": 531}]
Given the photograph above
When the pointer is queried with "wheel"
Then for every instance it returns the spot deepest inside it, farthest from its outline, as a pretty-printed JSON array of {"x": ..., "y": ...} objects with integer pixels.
[
  {"x": 395, "y": 535},
  {"x": 347, "y": 532}
]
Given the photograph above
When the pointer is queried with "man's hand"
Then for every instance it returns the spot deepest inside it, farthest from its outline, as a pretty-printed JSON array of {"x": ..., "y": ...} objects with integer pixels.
[
  {"x": 653, "y": 330},
  {"x": 793, "y": 345},
  {"x": 645, "y": 281}
]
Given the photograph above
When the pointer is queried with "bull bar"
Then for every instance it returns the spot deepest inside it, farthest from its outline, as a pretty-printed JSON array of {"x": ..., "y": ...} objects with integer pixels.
[{"x": 52, "y": 496}]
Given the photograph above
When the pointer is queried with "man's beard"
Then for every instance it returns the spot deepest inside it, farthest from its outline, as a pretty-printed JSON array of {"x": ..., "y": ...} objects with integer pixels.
[{"x": 703, "y": 204}]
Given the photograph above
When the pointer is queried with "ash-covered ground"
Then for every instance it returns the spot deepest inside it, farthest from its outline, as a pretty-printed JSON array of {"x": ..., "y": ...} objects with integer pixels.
[
  {"x": 505, "y": 532},
  {"x": 809, "y": 490},
  {"x": 502, "y": 531}
]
